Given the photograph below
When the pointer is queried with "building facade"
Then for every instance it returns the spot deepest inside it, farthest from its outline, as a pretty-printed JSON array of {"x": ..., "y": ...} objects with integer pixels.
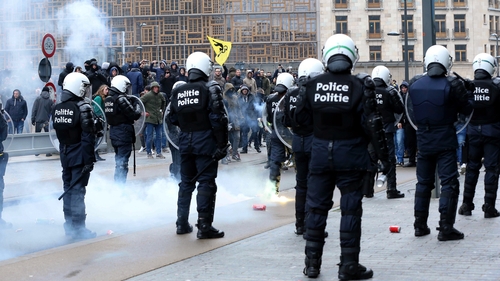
[
  {"x": 464, "y": 27},
  {"x": 261, "y": 31}
]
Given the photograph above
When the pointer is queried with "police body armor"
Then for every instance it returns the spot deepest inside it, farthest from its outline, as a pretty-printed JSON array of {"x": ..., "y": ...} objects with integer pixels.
[
  {"x": 114, "y": 115},
  {"x": 335, "y": 101},
  {"x": 485, "y": 97},
  {"x": 66, "y": 122},
  {"x": 383, "y": 101},
  {"x": 271, "y": 104},
  {"x": 431, "y": 104},
  {"x": 291, "y": 99},
  {"x": 190, "y": 102}
]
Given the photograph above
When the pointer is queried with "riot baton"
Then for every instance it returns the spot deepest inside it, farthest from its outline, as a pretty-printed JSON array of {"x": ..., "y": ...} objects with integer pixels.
[
  {"x": 206, "y": 167},
  {"x": 73, "y": 185},
  {"x": 133, "y": 147}
]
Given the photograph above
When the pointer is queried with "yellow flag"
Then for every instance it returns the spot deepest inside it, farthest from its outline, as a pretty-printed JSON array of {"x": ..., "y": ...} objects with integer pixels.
[{"x": 221, "y": 49}]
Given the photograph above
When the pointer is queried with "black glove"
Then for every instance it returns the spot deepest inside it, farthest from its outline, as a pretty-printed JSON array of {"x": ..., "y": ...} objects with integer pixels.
[
  {"x": 469, "y": 85},
  {"x": 88, "y": 168},
  {"x": 220, "y": 153},
  {"x": 385, "y": 166}
]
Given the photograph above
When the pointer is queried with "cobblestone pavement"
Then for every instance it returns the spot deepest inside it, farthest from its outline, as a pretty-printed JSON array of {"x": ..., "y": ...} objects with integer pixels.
[{"x": 279, "y": 254}]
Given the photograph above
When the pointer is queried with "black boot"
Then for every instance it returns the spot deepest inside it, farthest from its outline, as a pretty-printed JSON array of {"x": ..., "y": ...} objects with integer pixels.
[
  {"x": 447, "y": 218},
  {"x": 314, "y": 251},
  {"x": 447, "y": 232},
  {"x": 467, "y": 205},
  {"x": 466, "y": 209},
  {"x": 393, "y": 193},
  {"x": 420, "y": 224},
  {"x": 183, "y": 226},
  {"x": 490, "y": 211},
  {"x": 206, "y": 230},
  {"x": 490, "y": 197},
  {"x": 351, "y": 269},
  {"x": 80, "y": 231}
]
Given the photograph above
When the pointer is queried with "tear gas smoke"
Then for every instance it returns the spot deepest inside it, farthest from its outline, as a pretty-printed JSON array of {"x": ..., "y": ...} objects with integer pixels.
[{"x": 141, "y": 204}]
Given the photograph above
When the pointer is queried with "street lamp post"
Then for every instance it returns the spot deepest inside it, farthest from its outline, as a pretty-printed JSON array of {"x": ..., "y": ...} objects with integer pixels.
[
  {"x": 496, "y": 52},
  {"x": 405, "y": 33},
  {"x": 140, "y": 39}
]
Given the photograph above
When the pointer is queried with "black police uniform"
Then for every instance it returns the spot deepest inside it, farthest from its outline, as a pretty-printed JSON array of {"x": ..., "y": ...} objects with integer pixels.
[
  {"x": 278, "y": 150},
  {"x": 301, "y": 147},
  {"x": 75, "y": 129},
  {"x": 4, "y": 159},
  {"x": 121, "y": 112},
  {"x": 388, "y": 103},
  {"x": 436, "y": 100},
  {"x": 198, "y": 110},
  {"x": 484, "y": 142},
  {"x": 339, "y": 106}
]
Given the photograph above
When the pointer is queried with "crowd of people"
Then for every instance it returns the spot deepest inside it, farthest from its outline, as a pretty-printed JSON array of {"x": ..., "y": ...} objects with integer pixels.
[{"x": 346, "y": 130}]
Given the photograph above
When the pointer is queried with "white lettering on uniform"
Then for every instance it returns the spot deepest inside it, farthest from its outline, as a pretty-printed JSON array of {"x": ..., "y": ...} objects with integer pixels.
[
  {"x": 481, "y": 98},
  {"x": 332, "y": 87},
  {"x": 108, "y": 106},
  {"x": 274, "y": 105},
  {"x": 481, "y": 94},
  {"x": 293, "y": 101},
  {"x": 63, "y": 119},
  {"x": 188, "y": 97},
  {"x": 378, "y": 98},
  {"x": 336, "y": 96}
]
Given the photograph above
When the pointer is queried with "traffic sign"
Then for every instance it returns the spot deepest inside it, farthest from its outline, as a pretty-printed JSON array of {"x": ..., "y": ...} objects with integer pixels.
[
  {"x": 44, "y": 70},
  {"x": 48, "y": 45},
  {"x": 52, "y": 90}
]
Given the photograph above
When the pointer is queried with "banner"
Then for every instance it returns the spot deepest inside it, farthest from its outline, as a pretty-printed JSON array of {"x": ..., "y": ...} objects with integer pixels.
[{"x": 221, "y": 49}]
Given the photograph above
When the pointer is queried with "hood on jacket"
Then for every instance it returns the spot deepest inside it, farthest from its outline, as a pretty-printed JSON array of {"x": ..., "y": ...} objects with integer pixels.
[
  {"x": 173, "y": 63},
  {"x": 244, "y": 87},
  {"x": 69, "y": 67},
  {"x": 135, "y": 65},
  {"x": 164, "y": 62},
  {"x": 228, "y": 87},
  {"x": 45, "y": 93},
  {"x": 114, "y": 68},
  {"x": 404, "y": 84}
]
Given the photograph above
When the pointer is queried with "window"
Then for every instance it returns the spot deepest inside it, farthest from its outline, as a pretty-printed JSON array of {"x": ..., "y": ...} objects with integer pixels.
[
  {"x": 409, "y": 27},
  {"x": 374, "y": 27},
  {"x": 409, "y": 3},
  {"x": 375, "y": 53},
  {"x": 460, "y": 52},
  {"x": 340, "y": 4},
  {"x": 440, "y": 26},
  {"x": 459, "y": 24},
  {"x": 439, "y": 3},
  {"x": 492, "y": 24},
  {"x": 341, "y": 24},
  {"x": 374, "y": 4},
  {"x": 459, "y": 3},
  {"x": 411, "y": 52}
]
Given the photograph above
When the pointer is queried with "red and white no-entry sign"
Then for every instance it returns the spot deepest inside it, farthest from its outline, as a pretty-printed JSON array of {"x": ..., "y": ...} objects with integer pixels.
[{"x": 48, "y": 45}]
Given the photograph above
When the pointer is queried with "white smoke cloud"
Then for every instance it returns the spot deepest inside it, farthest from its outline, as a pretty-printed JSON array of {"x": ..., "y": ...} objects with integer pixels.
[{"x": 84, "y": 29}]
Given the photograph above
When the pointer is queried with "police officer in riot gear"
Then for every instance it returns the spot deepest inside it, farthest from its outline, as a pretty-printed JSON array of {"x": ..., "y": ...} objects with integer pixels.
[
  {"x": 437, "y": 99},
  {"x": 121, "y": 112},
  {"x": 284, "y": 82},
  {"x": 197, "y": 108},
  {"x": 484, "y": 137},
  {"x": 389, "y": 102},
  {"x": 4, "y": 159},
  {"x": 302, "y": 138},
  {"x": 342, "y": 110},
  {"x": 74, "y": 124}
]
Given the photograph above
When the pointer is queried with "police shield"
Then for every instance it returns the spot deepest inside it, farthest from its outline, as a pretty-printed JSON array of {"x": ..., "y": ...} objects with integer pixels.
[
  {"x": 10, "y": 133},
  {"x": 139, "y": 123},
  {"x": 460, "y": 125},
  {"x": 265, "y": 122},
  {"x": 284, "y": 133},
  {"x": 171, "y": 131},
  {"x": 99, "y": 121}
]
